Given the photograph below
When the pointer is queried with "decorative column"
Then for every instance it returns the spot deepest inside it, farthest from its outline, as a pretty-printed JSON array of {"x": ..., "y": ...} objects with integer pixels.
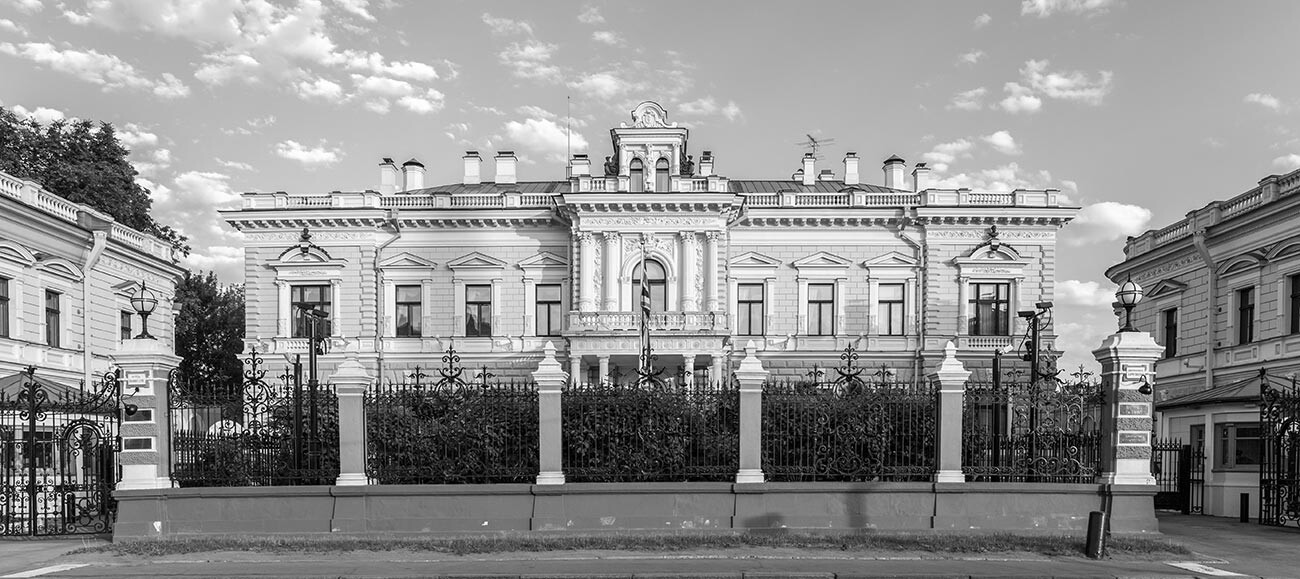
[
  {"x": 951, "y": 376},
  {"x": 688, "y": 368},
  {"x": 284, "y": 315},
  {"x": 587, "y": 301},
  {"x": 336, "y": 308},
  {"x": 610, "y": 259},
  {"x": 751, "y": 375},
  {"x": 146, "y": 364},
  {"x": 603, "y": 365},
  {"x": 1127, "y": 377},
  {"x": 688, "y": 272},
  {"x": 350, "y": 381},
  {"x": 963, "y": 305},
  {"x": 550, "y": 379},
  {"x": 575, "y": 367},
  {"x": 711, "y": 240}
]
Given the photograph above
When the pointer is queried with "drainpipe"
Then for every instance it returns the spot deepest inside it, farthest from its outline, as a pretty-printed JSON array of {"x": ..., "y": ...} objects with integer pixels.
[
  {"x": 99, "y": 240},
  {"x": 379, "y": 292},
  {"x": 1198, "y": 241},
  {"x": 919, "y": 244}
]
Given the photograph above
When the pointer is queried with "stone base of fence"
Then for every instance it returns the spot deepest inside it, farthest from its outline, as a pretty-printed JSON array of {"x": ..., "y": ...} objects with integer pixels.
[{"x": 630, "y": 507}]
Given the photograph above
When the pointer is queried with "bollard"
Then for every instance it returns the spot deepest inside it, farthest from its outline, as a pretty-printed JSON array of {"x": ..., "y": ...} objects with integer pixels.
[
  {"x": 1096, "y": 534},
  {"x": 1245, "y": 507}
]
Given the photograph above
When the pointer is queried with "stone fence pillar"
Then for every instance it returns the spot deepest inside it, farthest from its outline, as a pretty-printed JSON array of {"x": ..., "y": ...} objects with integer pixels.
[
  {"x": 751, "y": 376},
  {"x": 951, "y": 376},
  {"x": 550, "y": 378},
  {"x": 145, "y": 364},
  {"x": 1128, "y": 375},
  {"x": 350, "y": 381}
]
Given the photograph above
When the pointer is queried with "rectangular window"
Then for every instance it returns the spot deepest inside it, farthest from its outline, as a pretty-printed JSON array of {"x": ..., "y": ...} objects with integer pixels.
[
  {"x": 821, "y": 309},
  {"x": 889, "y": 313},
  {"x": 1239, "y": 446},
  {"x": 548, "y": 310},
  {"x": 408, "y": 313},
  {"x": 1295, "y": 304},
  {"x": 1171, "y": 332},
  {"x": 1245, "y": 315},
  {"x": 4, "y": 307},
  {"x": 306, "y": 297},
  {"x": 53, "y": 323},
  {"x": 124, "y": 324},
  {"x": 990, "y": 306},
  {"x": 749, "y": 306},
  {"x": 478, "y": 310}
]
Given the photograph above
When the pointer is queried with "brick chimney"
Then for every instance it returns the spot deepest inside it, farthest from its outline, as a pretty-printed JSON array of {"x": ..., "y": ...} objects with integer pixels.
[
  {"x": 387, "y": 176},
  {"x": 705, "y": 168},
  {"x": 473, "y": 168},
  {"x": 894, "y": 168},
  {"x": 920, "y": 178},
  {"x": 851, "y": 176},
  {"x": 826, "y": 175},
  {"x": 507, "y": 162},
  {"x": 413, "y": 172},
  {"x": 809, "y": 169}
]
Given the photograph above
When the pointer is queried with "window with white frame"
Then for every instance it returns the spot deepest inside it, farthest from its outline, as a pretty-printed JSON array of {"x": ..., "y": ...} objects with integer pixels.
[
  {"x": 821, "y": 309},
  {"x": 1169, "y": 322},
  {"x": 53, "y": 318},
  {"x": 749, "y": 309},
  {"x": 408, "y": 301},
  {"x": 1238, "y": 446},
  {"x": 1294, "y": 311},
  {"x": 4, "y": 307},
  {"x": 1245, "y": 321},
  {"x": 549, "y": 322},
  {"x": 890, "y": 312},
  {"x": 990, "y": 307},
  {"x": 478, "y": 310},
  {"x": 308, "y": 297},
  {"x": 124, "y": 324}
]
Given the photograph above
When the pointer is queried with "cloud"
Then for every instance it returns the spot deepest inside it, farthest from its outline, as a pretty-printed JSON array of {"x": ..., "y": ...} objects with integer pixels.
[
  {"x": 603, "y": 85},
  {"x": 504, "y": 26},
  {"x": 27, "y": 6},
  {"x": 971, "y": 57},
  {"x": 357, "y": 8},
  {"x": 1072, "y": 292},
  {"x": 321, "y": 88},
  {"x": 317, "y": 156},
  {"x": 1106, "y": 221},
  {"x": 252, "y": 126},
  {"x": 709, "y": 106},
  {"x": 732, "y": 112},
  {"x": 543, "y": 136},
  {"x": 1007, "y": 177},
  {"x": 41, "y": 115},
  {"x": 235, "y": 165},
  {"x": 203, "y": 189},
  {"x": 1020, "y": 100},
  {"x": 431, "y": 101},
  {"x": 1267, "y": 101},
  {"x": 135, "y": 136},
  {"x": 607, "y": 37},
  {"x": 1045, "y": 8},
  {"x": 1287, "y": 162},
  {"x": 944, "y": 154},
  {"x": 11, "y": 26},
  {"x": 530, "y": 60},
  {"x": 225, "y": 260},
  {"x": 1003, "y": 142},
  {"x": 971, "y": 100},
  {"x": 1212, "y": 143},
  {"x": 590, "y": 15},
  {"x": 981, "y": 21},
  {"x": 1069, "y": 85},
  {"x": 97, "y": 68}
]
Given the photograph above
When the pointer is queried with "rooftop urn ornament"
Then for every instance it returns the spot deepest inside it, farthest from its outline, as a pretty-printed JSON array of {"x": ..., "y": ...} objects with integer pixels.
[
  {"x": 144, "y": 303},
  {"x": 1129, "y": 294}
]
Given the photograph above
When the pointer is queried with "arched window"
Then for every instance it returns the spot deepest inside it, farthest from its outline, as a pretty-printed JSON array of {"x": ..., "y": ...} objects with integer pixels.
[
  {"x": 661, "y": 175},
  {"x": 636, "y": 176},
  {"x": 657, "y": 282}
]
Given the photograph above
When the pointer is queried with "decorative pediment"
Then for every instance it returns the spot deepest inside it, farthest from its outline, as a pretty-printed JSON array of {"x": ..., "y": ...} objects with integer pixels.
[
  {"x": 58, "y": 266},
  {"x": 544, "y": 259},
  {"x": 407, "y": 261},
  {"x": 822, "y": 259},
  {"x": 1166, "y": 288},
  {"x": 891, "y": 259},
  {"x": 1241, "y": 263},
  {"x": 754, "y": 259},
  {"x": 994, "y": 252},
  {"x": 11, "y": 251},
  {"x": 312, "y": 258},
  {"x": 476, "y": 261},
  {"x": 1287, "y": 248}
]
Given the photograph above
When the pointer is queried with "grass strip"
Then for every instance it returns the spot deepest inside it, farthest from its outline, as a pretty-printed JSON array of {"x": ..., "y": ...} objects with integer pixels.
[{"x": 941, "y": 543}]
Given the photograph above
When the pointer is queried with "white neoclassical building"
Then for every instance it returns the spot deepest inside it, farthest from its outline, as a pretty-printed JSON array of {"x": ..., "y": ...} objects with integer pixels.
[{"x": 802, "y": 265}]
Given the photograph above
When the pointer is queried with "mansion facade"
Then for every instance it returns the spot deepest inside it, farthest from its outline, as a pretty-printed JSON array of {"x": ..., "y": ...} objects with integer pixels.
[{"x": 802, "y": 266}]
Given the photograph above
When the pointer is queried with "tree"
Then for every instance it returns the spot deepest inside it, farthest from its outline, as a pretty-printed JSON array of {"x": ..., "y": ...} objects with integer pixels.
[
  {"x": 210, "y": 332},
  {"x": 82, "y": 162}
]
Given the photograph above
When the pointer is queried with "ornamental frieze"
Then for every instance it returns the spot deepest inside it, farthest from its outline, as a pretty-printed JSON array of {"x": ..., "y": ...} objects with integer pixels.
[
  {"x": 315, "y": 235},
  {"x": 1164, "y": 269},
  {"x": 663, "y": 221}
]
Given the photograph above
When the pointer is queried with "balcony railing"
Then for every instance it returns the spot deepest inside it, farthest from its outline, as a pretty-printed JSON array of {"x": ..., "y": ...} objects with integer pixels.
[{"x": 658, "y": 322}]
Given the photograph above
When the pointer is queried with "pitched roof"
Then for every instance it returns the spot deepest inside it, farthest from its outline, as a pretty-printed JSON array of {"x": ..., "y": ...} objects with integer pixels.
[{"x": 1246, "y": 390}]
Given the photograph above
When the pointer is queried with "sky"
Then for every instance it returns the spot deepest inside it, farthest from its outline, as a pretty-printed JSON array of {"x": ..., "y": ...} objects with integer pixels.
[{"x": 1138, "y": 111}]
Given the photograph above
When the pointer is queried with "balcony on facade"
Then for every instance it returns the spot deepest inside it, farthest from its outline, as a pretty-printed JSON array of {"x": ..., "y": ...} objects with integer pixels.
[
  {"x": 659, "y": 322},
  {"x": 31, "y": 193}
]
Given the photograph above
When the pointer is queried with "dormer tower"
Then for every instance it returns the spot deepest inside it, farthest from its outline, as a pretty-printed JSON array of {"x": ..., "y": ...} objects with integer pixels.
[{"x": 650, "y": 150}]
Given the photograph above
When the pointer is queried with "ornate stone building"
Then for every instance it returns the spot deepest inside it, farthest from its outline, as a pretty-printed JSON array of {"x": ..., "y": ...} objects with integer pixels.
[{"x": 803, "y": 266}]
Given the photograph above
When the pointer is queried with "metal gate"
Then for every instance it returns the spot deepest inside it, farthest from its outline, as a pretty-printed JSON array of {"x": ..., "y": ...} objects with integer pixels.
[
  {"x": 1279, "y": 473},
  {"x": 58, "y": 456},
  {"x": 1180, "y": 476}
]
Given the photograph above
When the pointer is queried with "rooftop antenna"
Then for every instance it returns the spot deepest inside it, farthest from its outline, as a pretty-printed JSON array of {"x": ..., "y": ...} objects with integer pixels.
[
  {"x": 568, "y": 134},
  {"x": 813, "y": 143}
]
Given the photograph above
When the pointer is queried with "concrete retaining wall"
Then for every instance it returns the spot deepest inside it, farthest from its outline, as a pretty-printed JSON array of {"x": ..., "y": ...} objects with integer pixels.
[{"x": 596, "y": 507}]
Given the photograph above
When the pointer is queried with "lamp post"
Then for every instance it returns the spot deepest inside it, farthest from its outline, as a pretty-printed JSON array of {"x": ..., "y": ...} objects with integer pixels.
[
  {"x": 144, "y": 303},
  {"x": 1037, "y": 320},
  {"x": 1129, "y": 294},
  {"x": 317, "y": 345}
]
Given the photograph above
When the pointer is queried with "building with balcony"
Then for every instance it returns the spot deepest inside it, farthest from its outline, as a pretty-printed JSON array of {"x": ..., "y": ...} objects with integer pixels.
[
  {"x": 67, "y": 275},
  {"x": 802, "y": 265},
  {"x": 1222, "y": 292}
]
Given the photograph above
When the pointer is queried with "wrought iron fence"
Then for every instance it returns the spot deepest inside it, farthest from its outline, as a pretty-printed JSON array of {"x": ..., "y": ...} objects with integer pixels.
[
  {"x": 1179, "y": 472},
  {"x": 1279, "y": 474},
  {"x": 1017, "y": 430},
  {"x": 650, "y": 430},
  {"x": 453, "y": 430},
  {"x": 856, "y": 425},
  {"x": 279, "y": 432}
]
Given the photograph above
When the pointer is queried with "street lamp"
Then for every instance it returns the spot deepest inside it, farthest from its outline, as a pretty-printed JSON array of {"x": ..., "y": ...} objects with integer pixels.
[
  {"x": 1129, "y": 295},
  {"x": 144, "y": 303}
]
